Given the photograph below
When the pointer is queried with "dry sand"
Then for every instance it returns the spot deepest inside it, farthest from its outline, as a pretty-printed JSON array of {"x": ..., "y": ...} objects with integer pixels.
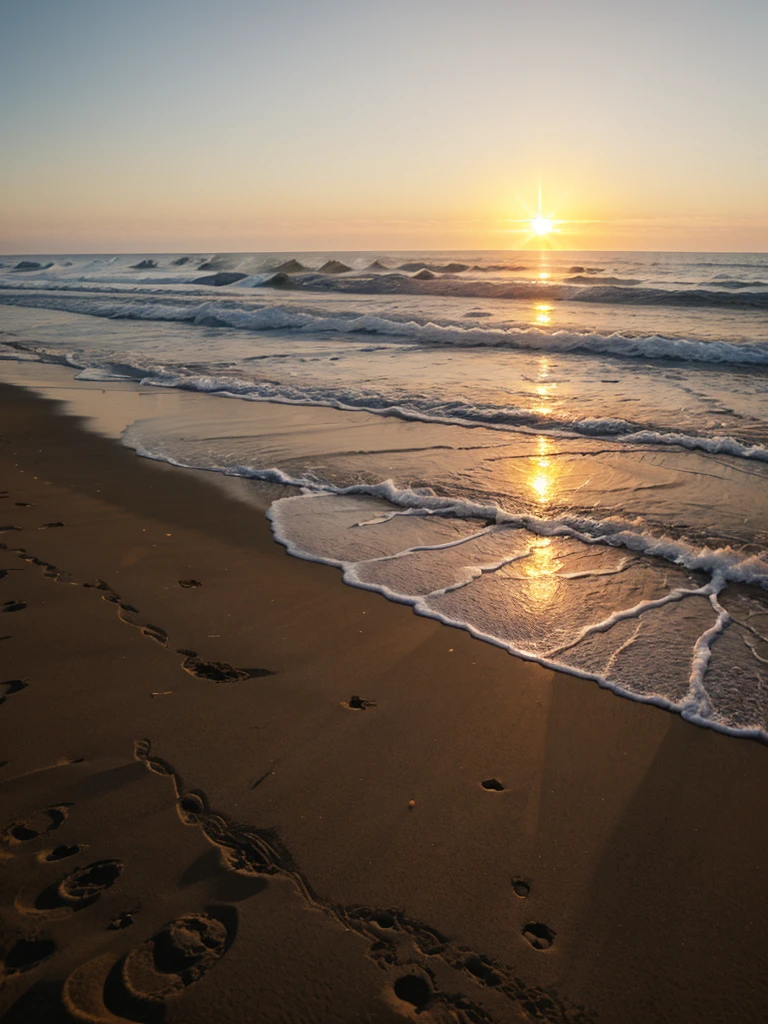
[{"x": 219, "y": 836}]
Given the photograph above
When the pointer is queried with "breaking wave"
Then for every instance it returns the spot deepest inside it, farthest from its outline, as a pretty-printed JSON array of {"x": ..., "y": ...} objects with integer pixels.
[
  {"x": 427, "y": 333},
  {"x": 419, "y": 408},
  {"x": 450, "y": 280}
]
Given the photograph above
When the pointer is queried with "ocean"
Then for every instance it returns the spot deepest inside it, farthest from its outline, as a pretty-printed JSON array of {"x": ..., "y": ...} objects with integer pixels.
[{"x": 564, "y": 453}]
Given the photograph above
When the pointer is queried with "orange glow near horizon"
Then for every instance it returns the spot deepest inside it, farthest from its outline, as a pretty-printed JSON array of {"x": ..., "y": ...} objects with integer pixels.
[
  {"x": 540, "y": 226},
  {"x": 60, "y": 218}
]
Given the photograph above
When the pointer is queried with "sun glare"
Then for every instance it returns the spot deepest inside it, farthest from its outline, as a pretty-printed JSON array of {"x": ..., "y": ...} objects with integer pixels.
[{"x": 541, "y": 226}]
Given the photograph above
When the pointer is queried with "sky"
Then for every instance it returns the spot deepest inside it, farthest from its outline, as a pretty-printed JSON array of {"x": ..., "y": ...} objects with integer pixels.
[{"x": 183, "y": 125}]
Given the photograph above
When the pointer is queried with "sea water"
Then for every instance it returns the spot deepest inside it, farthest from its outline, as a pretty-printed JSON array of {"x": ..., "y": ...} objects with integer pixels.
[{"x": 569, "y": 454}]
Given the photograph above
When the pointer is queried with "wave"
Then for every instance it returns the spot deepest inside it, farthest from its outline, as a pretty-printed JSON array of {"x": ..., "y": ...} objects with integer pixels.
[
  {"x": 436, "y": 268},
  {"x": 729, "y": 264},
  {"x": 723, "y": 565},
  {"x": 412, "y": 408},
  {"x": 613, "y": 291},
  {"x": 728, "y": 564},
  {"x": 106, "y": 283},
  {"x": 336, "y": 278},
  {"x": 414, "y": 332},
  {"x": 736, "y": 284},
  {"x": 583, "y": 279},
  {"x": 457, "y": 413}
]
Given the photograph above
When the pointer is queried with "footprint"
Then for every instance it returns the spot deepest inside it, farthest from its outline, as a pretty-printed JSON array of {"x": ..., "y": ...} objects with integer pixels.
[
  {"x": 48, "y": 568},
  {"x": 483, "y": 970},
  {"x": 98, "y": 585},
  {"x": 155, "y": 633},
  {"x": 493, "y": 785},
  {"x": 190, "y": 806},
  {"x": 413, "y": 989},
  {"x": 384, "y": 919},
  {"x": 26, "y": 954},
  {"x": 77, "y": 890},
  {"x": 521, "y": 888},
  {"x": 59, "y": 853},
  {"x": 358, "y": 704},
  {"x": 124, "y": 920},
  {"x": 38, "y": 824},
  {"x": 176, "y": 956},
  {"x": 392, "y": 938},
  {"x": 13, "y": 606},
  {"x": 217, "y": 671},
  {"x": 142, "y": 752},
  {"x": 539, "y": 935},
  {"x": 10, "y": 686},
  {"x": 137, "y": 987},
  {"x": 189, "y": 584},
  {"x": 125, "y": 613}
]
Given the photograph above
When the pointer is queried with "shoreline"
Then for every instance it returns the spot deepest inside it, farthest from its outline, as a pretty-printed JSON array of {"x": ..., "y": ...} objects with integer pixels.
[
  {"x": 109, "y": 406},
  {"x": 639, "y": 835}
]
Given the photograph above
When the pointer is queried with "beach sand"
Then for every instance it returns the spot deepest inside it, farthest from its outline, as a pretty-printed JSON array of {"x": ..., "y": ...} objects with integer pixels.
[{"x": 196, "y": 825}]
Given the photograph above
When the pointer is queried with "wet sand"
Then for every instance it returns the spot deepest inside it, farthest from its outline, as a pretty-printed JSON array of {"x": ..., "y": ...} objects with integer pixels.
[{"x": 198, "y": 826}]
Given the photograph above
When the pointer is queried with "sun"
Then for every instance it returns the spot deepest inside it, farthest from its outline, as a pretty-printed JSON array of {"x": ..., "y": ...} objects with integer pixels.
[{"x": 541, "y": 226}]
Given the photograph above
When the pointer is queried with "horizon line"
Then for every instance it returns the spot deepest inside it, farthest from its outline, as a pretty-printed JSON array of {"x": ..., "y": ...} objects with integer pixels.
[{"x": 288, "y": 252}]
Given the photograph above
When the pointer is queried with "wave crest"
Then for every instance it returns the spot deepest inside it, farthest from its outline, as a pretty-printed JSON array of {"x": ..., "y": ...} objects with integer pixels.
[{"x": 267, "y": 317}]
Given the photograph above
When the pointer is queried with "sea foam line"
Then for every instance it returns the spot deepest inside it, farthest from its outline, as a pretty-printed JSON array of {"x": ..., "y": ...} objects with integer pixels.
[
  {"x": 731, "y": 565},
  {"x": 264, "y": 317},
  {"x": 510, "y": 419},
  {"x": 694, "y": 708},
  {"x": 722, "y": 565},
  {"x": 505, "y": 418}
]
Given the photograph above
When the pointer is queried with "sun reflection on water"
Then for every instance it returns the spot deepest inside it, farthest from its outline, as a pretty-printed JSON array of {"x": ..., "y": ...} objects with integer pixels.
[
  {"x": 541, "y": 571},
  {"x": 542, "y": 478},
  {"x": 542, "y": 314},
  {"x": 544, "y": 390}
]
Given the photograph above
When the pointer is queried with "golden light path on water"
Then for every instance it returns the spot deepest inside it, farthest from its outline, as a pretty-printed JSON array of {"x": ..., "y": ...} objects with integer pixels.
[
  {"x": 545, "y": 389},
  {"x": 542, "y": 567},
  {"x": 542, "y": 314},
  {"x": 543, "y": 476},
  {"x": 541, "y": 571}
]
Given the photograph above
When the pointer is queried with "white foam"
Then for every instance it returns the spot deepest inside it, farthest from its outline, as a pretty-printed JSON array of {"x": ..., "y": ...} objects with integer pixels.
[
  {"x": 724, "y": 563},
  {"x": 507, "y": 418},
  {"x": 95, "y": 373},
  {"x": 722, "y": 566},
  {"x": 697, "y": 706},
  {"x": 693, "y": 704},
  {"x": 276, "y": 317}
]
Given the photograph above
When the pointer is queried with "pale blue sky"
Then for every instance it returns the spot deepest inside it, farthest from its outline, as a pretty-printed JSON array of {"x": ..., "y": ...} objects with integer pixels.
[{"x": 178, "y": 124}]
